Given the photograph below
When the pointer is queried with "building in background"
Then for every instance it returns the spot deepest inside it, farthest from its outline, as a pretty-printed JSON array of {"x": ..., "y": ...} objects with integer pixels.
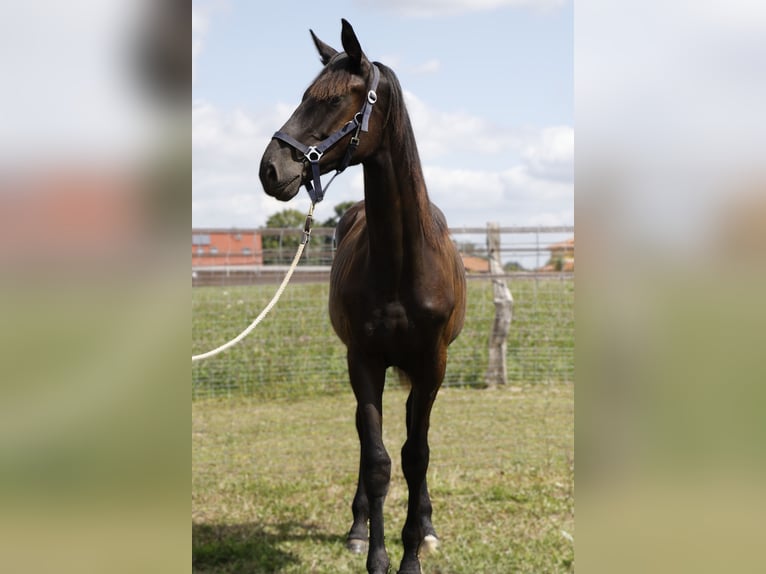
[
  {"x": 474, "y": 264},
  {"x": 562, "y": 256},
  {"x": 213, "y": 247}
]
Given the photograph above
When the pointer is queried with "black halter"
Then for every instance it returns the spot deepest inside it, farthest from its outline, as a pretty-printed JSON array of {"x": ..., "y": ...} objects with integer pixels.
[{"x": 314, "y": 153}]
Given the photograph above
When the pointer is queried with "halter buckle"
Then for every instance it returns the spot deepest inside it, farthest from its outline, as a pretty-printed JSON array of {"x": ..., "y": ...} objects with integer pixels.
[{"x": 313, "y": 154}]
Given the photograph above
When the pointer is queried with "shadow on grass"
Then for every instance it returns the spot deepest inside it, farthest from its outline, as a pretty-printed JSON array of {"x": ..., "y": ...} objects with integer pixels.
[{"x": 251, "y": 548}]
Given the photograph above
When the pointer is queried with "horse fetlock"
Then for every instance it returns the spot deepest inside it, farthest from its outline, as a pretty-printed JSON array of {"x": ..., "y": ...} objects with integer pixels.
[
  {"x": 430, "y": 545},
  {"x": 378, "y": 562},
  {"x": 409, "y": 566}
]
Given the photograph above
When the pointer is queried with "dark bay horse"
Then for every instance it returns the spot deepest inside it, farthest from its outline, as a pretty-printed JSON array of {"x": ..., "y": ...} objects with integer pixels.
[{"x": 397, "y": 287}]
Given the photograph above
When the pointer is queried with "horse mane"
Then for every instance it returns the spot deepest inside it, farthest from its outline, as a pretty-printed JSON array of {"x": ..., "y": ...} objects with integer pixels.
[{"x": 403, "y": 140}]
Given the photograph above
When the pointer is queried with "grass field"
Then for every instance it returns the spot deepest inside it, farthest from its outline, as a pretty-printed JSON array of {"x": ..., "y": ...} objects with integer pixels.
[
  {"x": 294, "y": 352},
  {"x": 272, "y": 482}
]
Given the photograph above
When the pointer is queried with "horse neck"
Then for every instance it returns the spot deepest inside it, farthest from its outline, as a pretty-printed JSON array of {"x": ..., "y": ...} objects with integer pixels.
[{"x": 399, "y": 221}]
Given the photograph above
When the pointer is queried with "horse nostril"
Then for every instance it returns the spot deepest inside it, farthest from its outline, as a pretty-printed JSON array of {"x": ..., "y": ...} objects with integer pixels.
[{"x": 269, "y": 173}]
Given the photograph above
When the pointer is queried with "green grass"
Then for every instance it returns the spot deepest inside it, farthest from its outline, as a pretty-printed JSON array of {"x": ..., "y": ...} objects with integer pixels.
[
  {"x": 294, "y": 351},
  {"x": 272, "y": 482}
]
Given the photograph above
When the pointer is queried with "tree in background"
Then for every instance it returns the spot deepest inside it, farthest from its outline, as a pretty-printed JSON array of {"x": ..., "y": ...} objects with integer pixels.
[
  {"x": 340, "y": 209},
  {"x": 286, "y": 219},
  {"x": 467, "y": 247},
  {"x": 513, "y": 266},
  {"x": 279, "y": 248}
]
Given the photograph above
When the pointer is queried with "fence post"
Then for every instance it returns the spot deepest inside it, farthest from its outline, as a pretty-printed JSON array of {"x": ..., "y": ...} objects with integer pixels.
[{"x": 496, "y": 370}]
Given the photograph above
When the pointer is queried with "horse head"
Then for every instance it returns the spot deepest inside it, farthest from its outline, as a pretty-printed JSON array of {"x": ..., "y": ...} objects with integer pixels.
[{"x": 332, "y": 127}]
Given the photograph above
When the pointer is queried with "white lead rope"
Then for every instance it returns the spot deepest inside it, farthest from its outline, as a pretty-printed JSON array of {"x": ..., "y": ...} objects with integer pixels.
[{"x": 274, "y": 299}]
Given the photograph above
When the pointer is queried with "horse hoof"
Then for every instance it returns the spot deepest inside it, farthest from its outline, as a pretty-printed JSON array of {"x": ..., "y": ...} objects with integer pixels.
[
  {"x": 356, "y": 546},
  {"x": 429, "y": 545}
]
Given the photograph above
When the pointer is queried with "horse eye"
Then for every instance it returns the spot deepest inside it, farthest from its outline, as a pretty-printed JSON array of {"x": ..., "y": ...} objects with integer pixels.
[{"x": 336, "y": 100}]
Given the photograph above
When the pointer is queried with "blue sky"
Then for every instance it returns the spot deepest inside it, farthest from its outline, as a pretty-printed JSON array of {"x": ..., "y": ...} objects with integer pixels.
[{"x": 488, "y": 83}]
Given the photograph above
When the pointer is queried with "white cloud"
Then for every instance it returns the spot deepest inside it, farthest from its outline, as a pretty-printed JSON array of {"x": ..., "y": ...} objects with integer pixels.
[
  {"x": 512, "y": 197},
  {"x": 441, "y": 133},
  {"x": 551, "y": 156},
  {"x": 226, "y": 137},
  {"x": 533, "y": 183},
  {"x": 547, "y": 153},
  {"x": 429, "y": 67},
  {"x": 226, "y": 152},
  {"x": 431, "y": 8}
]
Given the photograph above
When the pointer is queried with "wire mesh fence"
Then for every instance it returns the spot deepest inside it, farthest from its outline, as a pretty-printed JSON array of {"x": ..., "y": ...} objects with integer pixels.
[{"x": 294, "y": 350}]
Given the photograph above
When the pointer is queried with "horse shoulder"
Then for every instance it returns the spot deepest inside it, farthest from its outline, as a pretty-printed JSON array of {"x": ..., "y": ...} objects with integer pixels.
[
  {"x": 354, "y": 215},
  {"x": 441, "y": 294},
  {"x": 344, "y": 281}
]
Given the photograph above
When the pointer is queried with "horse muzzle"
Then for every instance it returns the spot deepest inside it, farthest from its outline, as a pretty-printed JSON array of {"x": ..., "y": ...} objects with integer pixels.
[{"x": 281, "y": 176}]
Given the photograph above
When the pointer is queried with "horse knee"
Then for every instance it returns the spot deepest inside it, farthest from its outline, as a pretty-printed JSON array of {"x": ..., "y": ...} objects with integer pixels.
[{"x": 377, "y": 472}]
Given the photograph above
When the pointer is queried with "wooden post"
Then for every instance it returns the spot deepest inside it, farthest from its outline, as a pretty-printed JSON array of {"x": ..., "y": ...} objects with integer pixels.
[{"x": 496, "y": 370}]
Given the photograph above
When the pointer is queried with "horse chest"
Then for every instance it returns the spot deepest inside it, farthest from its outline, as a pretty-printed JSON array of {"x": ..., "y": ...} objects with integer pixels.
[
  {"x": 387, "y": 322},
  {"x": 395, "y": 327}
]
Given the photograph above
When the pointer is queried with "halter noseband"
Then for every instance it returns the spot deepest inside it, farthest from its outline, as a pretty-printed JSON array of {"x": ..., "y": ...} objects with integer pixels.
[{"x": 314, "y": 153}]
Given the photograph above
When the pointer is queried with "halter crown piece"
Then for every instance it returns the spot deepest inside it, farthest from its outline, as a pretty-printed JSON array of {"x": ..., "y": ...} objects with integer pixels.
[{"x": 314, "y": 153}]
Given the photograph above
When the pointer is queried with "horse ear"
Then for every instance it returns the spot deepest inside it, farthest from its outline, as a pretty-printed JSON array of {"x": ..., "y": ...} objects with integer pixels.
[
  {"x": 351, "y": 45},
  {"x": 325, "y": 52}
]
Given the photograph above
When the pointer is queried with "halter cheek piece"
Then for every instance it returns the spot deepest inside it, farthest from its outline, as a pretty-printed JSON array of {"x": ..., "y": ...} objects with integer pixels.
[{"x": 314, "y": 153}]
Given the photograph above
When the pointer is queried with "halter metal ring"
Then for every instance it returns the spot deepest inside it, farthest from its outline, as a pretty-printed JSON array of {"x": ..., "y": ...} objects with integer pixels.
[
  {"x": 372, "y": 96},
  {"x": 313, "y": 154}
]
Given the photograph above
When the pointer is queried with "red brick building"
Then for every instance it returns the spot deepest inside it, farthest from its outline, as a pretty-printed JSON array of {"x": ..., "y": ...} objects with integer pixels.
[
  {"x": 475, "y": 264},
  {"x": 226, "y": 247},
  {"x": 562, "y": 256}
]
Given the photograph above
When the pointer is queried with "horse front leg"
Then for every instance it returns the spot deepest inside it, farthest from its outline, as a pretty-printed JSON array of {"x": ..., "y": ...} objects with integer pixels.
[
  {"x": 430, "y": 541},
  {"x": 367, "y": 380},
  {"x": 357, "y": 538},
  {"x": 415, "y": 458}
]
